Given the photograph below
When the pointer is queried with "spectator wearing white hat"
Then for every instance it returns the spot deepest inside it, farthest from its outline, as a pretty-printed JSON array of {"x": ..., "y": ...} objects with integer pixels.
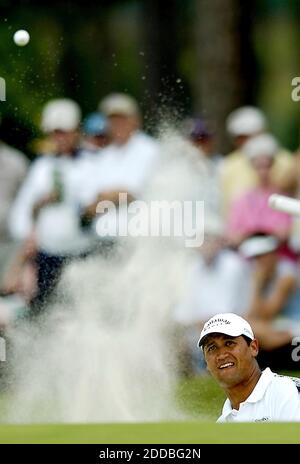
[
  {"x": 274, "y": 278},
  {"x": 129, "y": 160},
  {"x": 216, "y": 280},
  {"x": 46, "y": 204},
  {"x": 237, "y": 175},
  {"x": 250, "y": 211},
  {"x": 273, "y": 306}
]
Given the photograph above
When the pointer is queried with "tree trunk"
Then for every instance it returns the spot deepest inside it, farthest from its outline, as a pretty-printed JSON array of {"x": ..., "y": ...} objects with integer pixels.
[
  {"x": 160, "y": 49},
  {"x": 225, "y": 64}
]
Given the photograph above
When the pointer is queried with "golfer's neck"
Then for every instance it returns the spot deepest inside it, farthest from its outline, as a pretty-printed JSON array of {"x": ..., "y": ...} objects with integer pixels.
[{"x": 240, "y": 392}]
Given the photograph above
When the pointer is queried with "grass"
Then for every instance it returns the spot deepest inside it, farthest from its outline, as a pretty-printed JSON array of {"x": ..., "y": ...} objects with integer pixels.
[
  {"x": 200, "y": 398},
  {"x": 175, "y": 432}
]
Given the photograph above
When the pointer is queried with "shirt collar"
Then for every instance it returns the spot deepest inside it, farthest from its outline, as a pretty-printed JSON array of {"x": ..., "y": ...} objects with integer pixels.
[{"x": 257, "y": 393}]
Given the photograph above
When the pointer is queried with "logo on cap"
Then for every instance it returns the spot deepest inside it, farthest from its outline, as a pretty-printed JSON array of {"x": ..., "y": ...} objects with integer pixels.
[{"x": 218, "y": 321}]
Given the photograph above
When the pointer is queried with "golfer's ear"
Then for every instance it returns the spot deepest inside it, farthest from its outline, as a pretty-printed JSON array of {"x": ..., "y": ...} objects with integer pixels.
[{"x": 254, "y": 347}]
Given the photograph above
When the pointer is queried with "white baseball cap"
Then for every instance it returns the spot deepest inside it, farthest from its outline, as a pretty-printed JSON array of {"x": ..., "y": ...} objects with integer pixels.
[
  {"x": 261, "y": 145},
  {"x": 246, "y": 120},
  {"x": 119, "y": 103},
  {"x": 60, "y": 114},
  {"x": 258, "y": 245},
  {"x": 226, "y": 323}
]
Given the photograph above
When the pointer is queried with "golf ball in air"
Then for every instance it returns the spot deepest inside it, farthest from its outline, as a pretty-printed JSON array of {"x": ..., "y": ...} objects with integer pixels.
[{"x": 21, "y": 38}]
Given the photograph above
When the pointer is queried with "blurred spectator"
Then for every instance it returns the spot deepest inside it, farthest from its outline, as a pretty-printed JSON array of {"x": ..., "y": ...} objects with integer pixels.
[
  {"x": 129, "y": 160},
  {"x": 94, "y": 139},
  {"x": 94, "y": 132},
  {"x": 217, "y": 280},
  {"x": 124, "y": 117},
  {"x": 294, "y": 191},
  {"x": 202, "y": 136},
  {"x": 13, "y": 168},
  {"x": 258, "y": 285},
  {"x": 273, "y": 292},
  {"x": 45, "y": 209},
  {"x": 274, "y": 278},
  {"x": 250, "y": 211},
  {"x": 237, "y": 174}
]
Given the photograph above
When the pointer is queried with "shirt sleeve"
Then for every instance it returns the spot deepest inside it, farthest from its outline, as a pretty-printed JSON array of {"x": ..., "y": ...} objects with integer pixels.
[
  {"x": 285, "y": 401},
  {"x": 20, "y": 219}
]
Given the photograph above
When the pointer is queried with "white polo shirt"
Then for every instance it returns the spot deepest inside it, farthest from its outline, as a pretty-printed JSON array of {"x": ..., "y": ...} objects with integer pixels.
[
  {"x": 275, "y": 398},
  {"x": 126, "y": 167},
  {"x": 118, "y": 167},
  {"x": 57, "y": 227}
]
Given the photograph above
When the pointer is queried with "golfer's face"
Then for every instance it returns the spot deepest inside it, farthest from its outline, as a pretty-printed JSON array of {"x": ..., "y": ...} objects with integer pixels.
[{"x": 229, "y": 359}]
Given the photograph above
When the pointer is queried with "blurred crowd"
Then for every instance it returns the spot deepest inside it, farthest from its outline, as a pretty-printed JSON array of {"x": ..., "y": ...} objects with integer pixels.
[{"x": 248, "y": 264}]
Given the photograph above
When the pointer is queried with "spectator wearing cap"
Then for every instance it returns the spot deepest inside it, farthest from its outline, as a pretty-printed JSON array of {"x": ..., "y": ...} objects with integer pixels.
[
  {"x": 60, "y": 121},
  {"x": 202, "y": 137},
  {"x": 274, "y": 296},
  {"x": 94, "y": 132},
  {"x": 250, "y": 211},
  {"x": 216, "y": 279},
  {"x": 274, "y": 278},
  {"x": 237, "y": 174},
  {"x": 124, "y": 116},
  {"x": 94, "y": 139},
  {"x": 128, "y": 162},
  {"x": 45, "y": 207}
]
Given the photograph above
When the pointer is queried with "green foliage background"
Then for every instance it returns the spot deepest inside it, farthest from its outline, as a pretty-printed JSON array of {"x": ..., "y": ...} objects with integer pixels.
[{"x": 83, "y": 50}]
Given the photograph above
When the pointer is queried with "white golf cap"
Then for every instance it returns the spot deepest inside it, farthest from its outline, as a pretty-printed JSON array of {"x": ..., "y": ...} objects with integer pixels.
[
  {"x": 119, "y": 104},
  {"x": 261, "y": 145},
  {"x": 257, "y": 246},
  {"x": 247, "y": 120},
  {"x": 60, "y": 114},
  {"x": 226, "y": 323}
]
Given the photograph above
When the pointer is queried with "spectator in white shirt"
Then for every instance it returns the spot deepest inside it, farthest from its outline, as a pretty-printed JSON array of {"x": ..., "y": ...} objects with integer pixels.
[
  {"x": 215, "y": 282},
  {"x": 127, "y": 163},
  {"x": 230, "y": 350},
  {"x": 46, "y": 204}
]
